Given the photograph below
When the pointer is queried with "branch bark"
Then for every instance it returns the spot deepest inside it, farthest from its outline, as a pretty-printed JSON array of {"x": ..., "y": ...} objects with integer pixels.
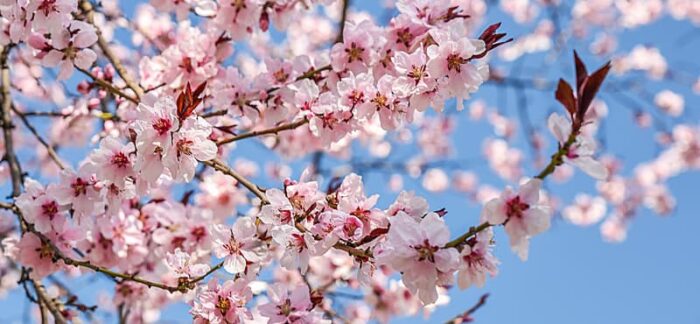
[{"x": 89, "y": 11}]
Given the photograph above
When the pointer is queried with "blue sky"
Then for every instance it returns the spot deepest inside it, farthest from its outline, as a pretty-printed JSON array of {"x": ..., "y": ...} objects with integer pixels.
[{"x": 572, "y": 276}]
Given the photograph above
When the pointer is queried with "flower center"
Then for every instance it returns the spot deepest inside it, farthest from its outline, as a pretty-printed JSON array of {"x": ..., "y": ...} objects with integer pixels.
[
  {"x": 404, "y": 36},
  {"x": 79, "y": 187},
  {"x": 184, "y": 146},
  {"x": 223, "y": 304},
  {"x": 47, "y": 6},
  {"x": 454, "y": 62},
  {"x": 516, "y": 208},
  {"x": 162, "y": 125},
  {"x": 45, "y": 251},
  {"x": 50, "y": 209},
  {"x": 120, "y": 160},
  {"x": 417, "y": 73},
  {"x": 354, "y": 52},
  {"x": 426, "y": 252}
]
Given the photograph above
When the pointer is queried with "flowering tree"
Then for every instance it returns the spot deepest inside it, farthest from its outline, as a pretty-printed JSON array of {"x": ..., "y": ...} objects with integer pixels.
[{"x": 125, "y": 157}]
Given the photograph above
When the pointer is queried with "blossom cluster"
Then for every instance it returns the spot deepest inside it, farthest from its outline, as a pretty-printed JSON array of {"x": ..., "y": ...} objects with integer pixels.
[{"x": 157, "y": 203}]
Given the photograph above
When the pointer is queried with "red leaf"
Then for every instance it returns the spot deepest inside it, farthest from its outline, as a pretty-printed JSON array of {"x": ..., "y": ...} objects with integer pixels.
[
  {"x": 590, "y": 88},
  {"x": 565, "y": 95},
  {"x": 581, "y": 73},
  {"x": 491, "y": 39},
  {"x": 187, "y": 101}
]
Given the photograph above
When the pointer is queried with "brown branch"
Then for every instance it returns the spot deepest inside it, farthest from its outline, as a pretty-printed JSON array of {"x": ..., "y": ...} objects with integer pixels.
[
  {"x": 10, "y": 156},
  {"x": 341, "y": 23},
  {"x": 44, "y": 114},
  {"x": 52, "y": 305},
  {"x": 556, "y": 160},
  {"x": 466, "y": 316},
  {"x": 87, "y": 8},
  {"x": 52, "y": 153},
  {"x": 273, "y": 130},
  {"x": 109, "y": 87},
  {"x": 253, "y": 188}
]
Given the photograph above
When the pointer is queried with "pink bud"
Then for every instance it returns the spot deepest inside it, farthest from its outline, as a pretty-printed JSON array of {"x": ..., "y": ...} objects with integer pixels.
[
  {"x": 83, "y": 87},
  {"x": 264, "y": 21},
  {"x": 38, "y": 41},
  {"x": 93, "y": 103}
]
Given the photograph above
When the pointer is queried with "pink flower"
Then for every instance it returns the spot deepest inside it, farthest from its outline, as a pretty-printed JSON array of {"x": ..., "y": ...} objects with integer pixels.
[
  {"x": 522, "y": 214},
  {"x": 154, "y": 129},
  {"x": 190, "y": 144},
  {"x": 449, "y": 63},
  {"x": 339, "y": 224},
  {"x": 413, "y": 75},
  {"x": 69, "y": 45},
  {"x": 182, "y": 264},
  {"x": 435, "y": 180},
  {"x": 279, "y": 210},
  {"x": 123, "y": 230},
  {"x": 220, "y": 194},
  {"x": 51, "y": 15},
  {"x": 355, "y": 53},
  {"x": 287, "y": 306},
  {"x": 407, "y": 202},
  {"x": 113, "y": 161},
  {"x": 585, "y": 210},
  {"x": 670, "y": 102},
  {"x": 222, "y": 304},
  {"x": 415, "y": 248},
  {"x": 236, "y": 245},
  {"x": 36, "y": 254},
  {"x": 238, "y": 17},
  {"x": 581, "y": 152},
  {"x": 299, "y": 247},
  {"x": 40, "y": 206},
  {"x": 477, "y": 261},
  {"x": 82, "y": 191}
]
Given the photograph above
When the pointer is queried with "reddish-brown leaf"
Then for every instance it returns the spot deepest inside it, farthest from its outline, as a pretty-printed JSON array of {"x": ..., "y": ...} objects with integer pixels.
[
  {"x": 187, "y": 101},
  {"x": 590, "y": 88},
  {"x": 565, "y": 95},
  {"x": 581, "y": 73},
  {"x": 491, "y": 39}
]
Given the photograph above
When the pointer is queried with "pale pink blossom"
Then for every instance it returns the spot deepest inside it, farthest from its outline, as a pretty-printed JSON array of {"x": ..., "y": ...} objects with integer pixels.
[
  {"x": 237, "y": 245},
  {"x": 670, "y": 102},
  {"x": 521, "y": 212},
  {"x": 287, "y": 306},
  {"x": 477, "y": 261},
  {"x": 581, "y": 151},
  {"x": 585, "y": 210},
  {"x": 69, "y": 45},
  {"x": 220, "y": 304},
  {"x": 415, "y": 248}
]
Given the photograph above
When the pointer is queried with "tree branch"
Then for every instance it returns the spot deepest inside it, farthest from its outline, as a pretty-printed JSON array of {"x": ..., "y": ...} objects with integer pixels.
[
  {"x": 15, "y": 171},
  {"x": 273, "y": 130},
  {"x": 87, "y": 8},
  {"x": 52, "y": 153}
]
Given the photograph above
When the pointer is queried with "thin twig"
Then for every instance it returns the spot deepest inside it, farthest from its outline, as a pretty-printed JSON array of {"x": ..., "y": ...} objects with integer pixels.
[
  {"x": 466, "y": 316},
  {"x": 253, "y": 188},
  {"x": 109, "y": 86},
  {"x": 87, "y": 8},
  {"x": 273, "y": 130},
  {"x": 52, "y": 153}
]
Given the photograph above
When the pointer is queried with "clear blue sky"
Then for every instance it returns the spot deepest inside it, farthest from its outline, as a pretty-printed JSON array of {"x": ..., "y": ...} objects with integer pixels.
[{"x": 572, "y": 276}]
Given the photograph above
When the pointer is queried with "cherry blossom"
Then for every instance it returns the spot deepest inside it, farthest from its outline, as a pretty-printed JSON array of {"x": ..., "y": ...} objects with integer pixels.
[
  {"x": 237, "y": 245},
  {"x": 581, "y": 152},
  {"x": 522, "y": 214},
  {"x": 133, "y": 143},
  {"x": 415, "y": 249}
]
